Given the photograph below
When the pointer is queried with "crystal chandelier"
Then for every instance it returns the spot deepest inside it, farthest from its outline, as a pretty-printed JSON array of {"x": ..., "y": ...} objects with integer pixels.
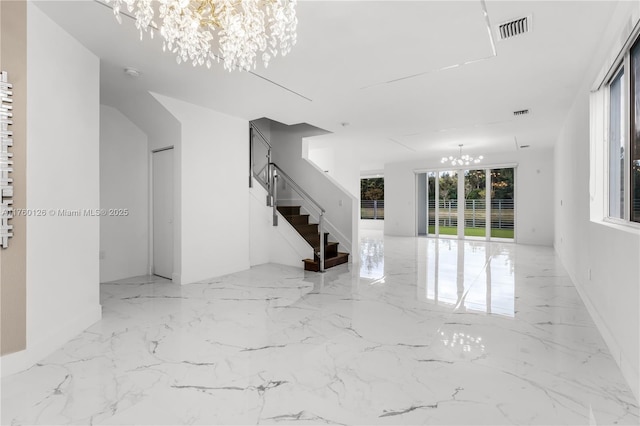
[
  {"x": 244, "y": 28},
  {"x": 461, "y": 160}
]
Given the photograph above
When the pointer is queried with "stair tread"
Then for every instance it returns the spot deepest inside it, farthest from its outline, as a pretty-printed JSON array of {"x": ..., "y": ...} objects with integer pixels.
[
  {"x": 297, "y": 219},
  {"x": 289, "y": 210}
]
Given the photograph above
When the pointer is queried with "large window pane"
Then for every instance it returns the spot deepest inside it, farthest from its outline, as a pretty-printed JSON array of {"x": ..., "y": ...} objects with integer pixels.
[
  {"x": 502, "y": 203},
  {"x": 448, "y": 203},
  {"x": 372, "y": 198},
  {"x": 616, "y": 146},
  {"x": 431, "y": 204},
  {"x": 475, "y": 189},
  {"x": 635, "y": 134}
]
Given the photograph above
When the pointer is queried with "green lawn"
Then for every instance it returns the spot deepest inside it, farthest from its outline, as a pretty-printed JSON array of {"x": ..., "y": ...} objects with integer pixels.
[
  {"x": 368, "y": 213},
  {"x": 502, "y": 233},
  {"x": 473, "y": 232}
]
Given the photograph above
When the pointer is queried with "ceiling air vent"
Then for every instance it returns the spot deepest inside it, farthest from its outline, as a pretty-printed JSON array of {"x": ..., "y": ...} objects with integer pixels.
[
  {"x": 514, "y": 28},
  {"x": 521, "y": 112}
]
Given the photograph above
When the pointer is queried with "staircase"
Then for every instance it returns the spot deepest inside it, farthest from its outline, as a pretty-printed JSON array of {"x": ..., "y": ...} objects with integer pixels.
[
  {"x": 264, "y": 171},
  {"x": 309, "y": 231}
]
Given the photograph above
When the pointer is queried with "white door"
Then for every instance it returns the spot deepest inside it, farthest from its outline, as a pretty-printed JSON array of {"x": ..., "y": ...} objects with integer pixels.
[{"x": 163, "y": 213}]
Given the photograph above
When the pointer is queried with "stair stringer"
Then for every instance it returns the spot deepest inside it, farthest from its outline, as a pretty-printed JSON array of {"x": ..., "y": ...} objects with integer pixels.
[{"x": 273, "y": 244}]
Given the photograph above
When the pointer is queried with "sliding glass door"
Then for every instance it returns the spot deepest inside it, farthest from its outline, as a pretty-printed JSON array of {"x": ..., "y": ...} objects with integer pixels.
[
  {"x": 448, "y": 203},
  {"x": 431, "y": 202},
  {"x": 502, "y": 203},
  {"x": 475, "y": 205},
  {"x": 470, "y": 203}
]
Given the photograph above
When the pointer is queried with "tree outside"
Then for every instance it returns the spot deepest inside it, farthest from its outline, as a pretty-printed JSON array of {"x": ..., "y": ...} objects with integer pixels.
[
  {"x": 502, "y": 184},
  {"x": 501, "y": 197},
  {"x": 372, "y": 189}
]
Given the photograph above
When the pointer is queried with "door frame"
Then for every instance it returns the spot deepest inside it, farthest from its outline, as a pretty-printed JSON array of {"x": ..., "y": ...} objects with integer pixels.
[
  {"x": 460, "y": 172},
  {"x": 150, "y": 204}
]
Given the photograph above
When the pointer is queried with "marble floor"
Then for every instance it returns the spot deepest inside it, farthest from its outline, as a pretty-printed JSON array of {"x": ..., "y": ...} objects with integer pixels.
[{"x": 424, "y": 331}]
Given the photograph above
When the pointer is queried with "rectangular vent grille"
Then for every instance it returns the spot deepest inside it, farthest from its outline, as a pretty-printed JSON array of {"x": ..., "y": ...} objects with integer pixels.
[
  {"x": 514, "y": 28},
  {"x": 521, "y": 112}
]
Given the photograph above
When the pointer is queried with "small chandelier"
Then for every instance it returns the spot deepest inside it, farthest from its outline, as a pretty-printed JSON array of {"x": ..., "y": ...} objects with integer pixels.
[
  {"x": 462, "y": 160},
  {"x": 244, "y": 28}
]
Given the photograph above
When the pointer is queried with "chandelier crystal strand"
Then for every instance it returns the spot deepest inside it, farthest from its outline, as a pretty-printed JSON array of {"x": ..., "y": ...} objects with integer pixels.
[
  {"x": 244, "y": 28},
  {"x": 461, "y": 160}
]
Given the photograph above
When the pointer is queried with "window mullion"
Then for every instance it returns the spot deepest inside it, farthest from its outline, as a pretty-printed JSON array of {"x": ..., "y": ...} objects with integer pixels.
[
  {"x": 629, "y": 129},
  {"x": 605, "y": 151}
]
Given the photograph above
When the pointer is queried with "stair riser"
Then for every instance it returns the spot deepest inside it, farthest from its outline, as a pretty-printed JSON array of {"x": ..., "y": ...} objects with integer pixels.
[
  {"x": 327, "y": 254},
  {"x": 289, "y": 210},
  {"x": 310, "y": 229},
  {"x": 330, "y": 250},
  {"x": 298, "y": 220},
  {"x": 314, "y": 239},
  {"x": 328, "y": 263}
]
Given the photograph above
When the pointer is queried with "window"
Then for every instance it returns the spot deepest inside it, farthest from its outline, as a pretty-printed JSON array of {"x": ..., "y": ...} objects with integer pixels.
[
  {"x": 635, "y": 136},
  {"x": 616, "y": 146},
  {"x": 623, "y": 203},
  {"x": 485, "y": 208},
  {"x": 372, "y": 198}
]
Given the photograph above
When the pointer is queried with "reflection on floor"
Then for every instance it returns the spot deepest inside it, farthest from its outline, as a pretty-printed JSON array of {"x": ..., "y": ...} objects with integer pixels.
[{"x": 424, "y": 332}]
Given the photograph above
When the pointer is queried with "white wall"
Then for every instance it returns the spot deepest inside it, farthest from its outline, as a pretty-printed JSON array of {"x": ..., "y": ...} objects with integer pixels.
[
  {"x": 321, "y": 157},
  {"x": 163, "y": 130},
  {"x": 264, "y": 125},
  {"x": 62, "y": 173},
  {"x": 214, "y": 152},
  {"x": 371, "y": 224},
  {"x": 124, "y": 184},
  {"x": 273, "y": 244},
  {"x": 534, "y": 194},
  {"x": 602, "y": 259},
  {"x": 339, "y": 160}
]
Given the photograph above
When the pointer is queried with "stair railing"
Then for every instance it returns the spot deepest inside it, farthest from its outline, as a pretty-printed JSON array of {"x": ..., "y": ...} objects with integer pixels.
[
  {"x": 277, "y": 173},
  {"x": 270, "y": 183},
  {"x": 256, "y": 135}
]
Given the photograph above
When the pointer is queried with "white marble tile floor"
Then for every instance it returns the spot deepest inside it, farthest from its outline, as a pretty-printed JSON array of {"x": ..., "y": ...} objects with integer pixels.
[{"x": 425, "y": 331}]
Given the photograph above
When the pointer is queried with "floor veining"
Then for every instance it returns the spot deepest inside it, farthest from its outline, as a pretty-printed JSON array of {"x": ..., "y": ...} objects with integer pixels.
[{"x": 423, "y": 331}]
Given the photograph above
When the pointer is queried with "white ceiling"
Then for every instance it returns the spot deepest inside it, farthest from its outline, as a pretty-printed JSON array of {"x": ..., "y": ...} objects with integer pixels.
[{"x": 351, "y": 65}]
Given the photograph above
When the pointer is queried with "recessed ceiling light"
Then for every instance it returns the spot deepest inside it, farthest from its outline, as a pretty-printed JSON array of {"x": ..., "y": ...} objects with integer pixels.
[{"x": 132, "y": 72}]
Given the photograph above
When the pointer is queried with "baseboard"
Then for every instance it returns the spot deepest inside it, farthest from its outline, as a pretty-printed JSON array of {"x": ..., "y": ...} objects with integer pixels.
[
  {"x": 36, "y": 351},
  {"x": 626, "y": 367}
]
